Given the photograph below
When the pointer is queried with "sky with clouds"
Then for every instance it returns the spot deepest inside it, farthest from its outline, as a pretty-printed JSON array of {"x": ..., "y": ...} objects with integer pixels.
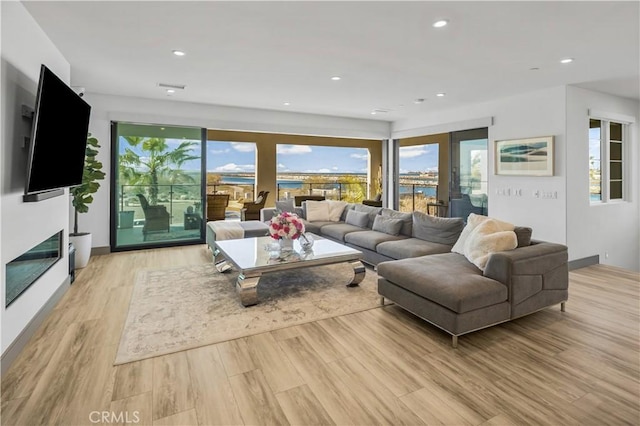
[
  {"x": 234, "y": 157},
  {"x": 240, "y": 157}
]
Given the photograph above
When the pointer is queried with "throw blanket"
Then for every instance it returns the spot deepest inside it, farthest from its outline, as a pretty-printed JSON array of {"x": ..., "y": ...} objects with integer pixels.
[{"x": 227, "y": 230}]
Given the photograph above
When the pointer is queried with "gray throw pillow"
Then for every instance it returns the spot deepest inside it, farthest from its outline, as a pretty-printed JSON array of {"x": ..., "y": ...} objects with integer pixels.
[
  {"x": 285, "y": 206},
  {"x": 372, "y": 211},
  {"x": 443, "y": 230},
  {"x": 387, "y": 225},
  {"x": 523, "y": 234},
  {"x": 359, "y": 219},
  {"x": 407, "y": 220}
]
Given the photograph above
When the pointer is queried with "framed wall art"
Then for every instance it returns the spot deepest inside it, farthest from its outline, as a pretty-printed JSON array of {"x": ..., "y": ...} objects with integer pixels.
[{"x": 525, "y": 157}]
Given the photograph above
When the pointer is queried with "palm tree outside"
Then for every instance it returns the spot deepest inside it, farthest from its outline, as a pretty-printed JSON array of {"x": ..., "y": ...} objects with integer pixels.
[{"x": 156, "y": 164}]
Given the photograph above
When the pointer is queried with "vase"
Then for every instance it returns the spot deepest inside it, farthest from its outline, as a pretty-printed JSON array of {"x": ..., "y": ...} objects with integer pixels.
[
  {"x": 306, "y": 242},
  {"x": 286, "y": 244}
]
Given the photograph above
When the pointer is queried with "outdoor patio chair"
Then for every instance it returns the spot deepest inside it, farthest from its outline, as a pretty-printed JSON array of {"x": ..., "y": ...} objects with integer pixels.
[
  {"x": 251, "y": 210},
  {"x": 217, "y": 206},
  {"x": 156, "y": 218}
]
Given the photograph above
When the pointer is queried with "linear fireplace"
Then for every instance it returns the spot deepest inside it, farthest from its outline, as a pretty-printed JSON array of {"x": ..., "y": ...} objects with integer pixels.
[{"x": 25, "y": 269}]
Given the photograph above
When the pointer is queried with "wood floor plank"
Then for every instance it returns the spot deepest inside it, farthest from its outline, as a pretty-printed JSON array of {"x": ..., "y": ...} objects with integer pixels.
[
  {"x": 400, "y": 377},
  {"x": 136, "y": 409},
  {"x": 335, "y": 396},
  {"x": 302, "y": 407},
  {"x": 172, "y": 391},
  {"x": 184, "y": 418},
  {"x": 268, "y": 357},
  {"x": 372, "y": 394},
  {"x": 257, "y": 403},
  {"x": 133, "y": 378},
  {"x": 327, "y": 348},
  {"x": 236, "y": 357},
  {"x": 215, "y": 403}
]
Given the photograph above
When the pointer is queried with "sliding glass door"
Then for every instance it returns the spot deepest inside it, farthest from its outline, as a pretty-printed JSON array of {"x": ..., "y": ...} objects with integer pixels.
[
  {"x": 468, "y": 173},
  {"x": 157, "y": 196}
]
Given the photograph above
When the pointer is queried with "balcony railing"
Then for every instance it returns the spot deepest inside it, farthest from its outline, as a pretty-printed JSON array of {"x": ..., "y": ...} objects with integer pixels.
[{"x": 353, "y": 192}]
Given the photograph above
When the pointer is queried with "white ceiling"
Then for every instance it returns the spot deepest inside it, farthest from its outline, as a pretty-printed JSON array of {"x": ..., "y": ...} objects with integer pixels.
[{"x": 262, "y": 54}]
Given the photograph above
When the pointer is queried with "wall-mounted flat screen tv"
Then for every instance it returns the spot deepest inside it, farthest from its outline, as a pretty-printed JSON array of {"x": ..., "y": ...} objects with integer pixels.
[{"x": 58, "y": 137}]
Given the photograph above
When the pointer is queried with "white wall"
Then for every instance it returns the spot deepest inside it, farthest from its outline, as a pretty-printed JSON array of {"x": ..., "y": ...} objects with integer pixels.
[
  {"x": 540, "y": 113},
  {"x": 107, "y": 108},
  {"x": 597, "y": 229},
  {"x": 23, "y": 225}
]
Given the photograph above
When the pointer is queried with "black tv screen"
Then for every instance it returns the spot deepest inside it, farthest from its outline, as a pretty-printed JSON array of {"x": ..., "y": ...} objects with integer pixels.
[{"x": 58, "y": 137}]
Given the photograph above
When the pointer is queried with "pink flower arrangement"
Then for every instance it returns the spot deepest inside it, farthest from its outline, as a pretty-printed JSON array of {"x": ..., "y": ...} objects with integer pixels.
[{"x": 286, "y": 225}]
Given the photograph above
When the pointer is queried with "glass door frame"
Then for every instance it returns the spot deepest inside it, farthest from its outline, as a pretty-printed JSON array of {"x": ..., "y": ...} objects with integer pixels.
[{"x": 113, "y": 196}]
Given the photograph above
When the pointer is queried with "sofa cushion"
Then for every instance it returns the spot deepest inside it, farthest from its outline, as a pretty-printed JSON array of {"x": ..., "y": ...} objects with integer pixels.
[
  {"x": 335, "y": 209},
  {"x": 285, "y": 206},
  {"x": 317, "y": 211},
  {"x": 372, "y": 211},
  {"x": 407, "y": 220},
  {"x": 523, "y": 234},
  {"x": 387, "y": 225},
  {"x": 443, "y": 230},
  {"x": 315, "y": 227},
  {"x": 486, "y": 238},
  {"x": 347, "y": 208},
  {"x": 447, "y": 279},
  {"x": 360, "y": 219},
  {"x": 370, "y": 239},
  {"x": 337, "y": 231},
  {"x": 411, "y": 247}
]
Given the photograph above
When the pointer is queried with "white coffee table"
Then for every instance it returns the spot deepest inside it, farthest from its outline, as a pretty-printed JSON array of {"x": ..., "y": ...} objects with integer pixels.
[{"x": 250, "y": 258}]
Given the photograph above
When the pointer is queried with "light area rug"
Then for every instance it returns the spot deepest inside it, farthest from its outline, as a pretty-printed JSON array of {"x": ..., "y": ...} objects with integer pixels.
[{"x": 181, "y": 308}]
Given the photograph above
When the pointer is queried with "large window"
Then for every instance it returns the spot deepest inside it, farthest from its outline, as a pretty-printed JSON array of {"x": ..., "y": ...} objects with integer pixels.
[
  {"x": 418, "y": 177},
  {"x": 231, "y": 170},
  {"x": 606, "y": 160},
  {"x": 338, "y": 173}
]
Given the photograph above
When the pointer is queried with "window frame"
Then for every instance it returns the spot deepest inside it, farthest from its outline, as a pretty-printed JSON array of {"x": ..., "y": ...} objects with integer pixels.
[{"x": 605, "y": 156}]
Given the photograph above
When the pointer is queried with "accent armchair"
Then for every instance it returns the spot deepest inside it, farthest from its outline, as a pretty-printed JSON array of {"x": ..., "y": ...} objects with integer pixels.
[
  {"x": 251, "y": 210},
  {"x": 156, "y": 218},
  {"x": 217, "y": 206}
]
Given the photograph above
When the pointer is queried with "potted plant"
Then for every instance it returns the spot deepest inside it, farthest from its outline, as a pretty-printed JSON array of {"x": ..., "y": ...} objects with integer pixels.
[{"x": 82, "y": 197}]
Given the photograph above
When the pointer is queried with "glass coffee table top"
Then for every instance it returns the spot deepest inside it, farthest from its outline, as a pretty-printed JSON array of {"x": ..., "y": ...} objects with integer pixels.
[
  {"x": 254, "y": 253},
  {"x": 254, "y": 257}
]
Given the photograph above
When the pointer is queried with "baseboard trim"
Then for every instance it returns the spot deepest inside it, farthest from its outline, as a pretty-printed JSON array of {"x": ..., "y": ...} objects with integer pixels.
[
  {"x": 97, "y": 251},
  {"x": 584, "y": 262},
  {"x": 14, "y": 349}
]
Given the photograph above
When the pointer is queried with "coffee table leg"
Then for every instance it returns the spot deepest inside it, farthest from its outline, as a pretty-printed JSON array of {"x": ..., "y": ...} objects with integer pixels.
[
  {"x": 358, "y": 273},
  {"x": 248, "y": 289}
]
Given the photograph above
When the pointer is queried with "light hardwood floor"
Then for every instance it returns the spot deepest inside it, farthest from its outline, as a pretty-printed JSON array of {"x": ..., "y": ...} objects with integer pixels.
[{"x": 381, "y": 366}]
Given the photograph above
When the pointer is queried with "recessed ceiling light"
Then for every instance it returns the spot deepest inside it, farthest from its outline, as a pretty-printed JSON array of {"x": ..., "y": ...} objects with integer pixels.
[
  {"x": 178, "y": 52},
  {"x": 287, "y": 103},
  {"x": 440, "y": 95},
  {"x": 336, "y": 78},
  {"x": 566, "y": 60},
  {"x": 373, "y": 112},
  {"x": 418, "y": 101},
  {"x": 441, "y": 23},
  {"x": 171, "y": 91}
]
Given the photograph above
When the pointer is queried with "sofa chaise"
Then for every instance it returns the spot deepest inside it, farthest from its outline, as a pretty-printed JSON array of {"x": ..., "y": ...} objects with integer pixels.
[{"x": 430, "y": 267}]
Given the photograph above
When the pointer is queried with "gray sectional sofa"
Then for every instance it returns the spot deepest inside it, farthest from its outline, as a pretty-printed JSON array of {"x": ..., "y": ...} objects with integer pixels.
[{"x": 418, "y": 271}]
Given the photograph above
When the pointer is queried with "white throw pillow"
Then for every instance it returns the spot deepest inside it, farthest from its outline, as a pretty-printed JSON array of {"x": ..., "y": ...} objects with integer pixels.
[
  {"x": 472, "y": 221},
  {"x": 488, "y": 237},
  {"x": 335, "y": 209},
  {"x": 318, "y": 211}
]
